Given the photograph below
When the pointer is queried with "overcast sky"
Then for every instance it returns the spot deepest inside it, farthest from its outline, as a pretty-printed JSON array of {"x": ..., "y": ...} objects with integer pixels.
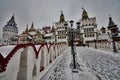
[{"x": 45, "y": 12}]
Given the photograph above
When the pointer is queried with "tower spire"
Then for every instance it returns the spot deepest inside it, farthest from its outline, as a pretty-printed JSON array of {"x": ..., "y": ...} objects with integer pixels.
[
  {"x": 111, "y": 23},
  {"x": 53, "y": 29},
  {"x": 32, "y": 27},
  {"x": 112, "y": 26},
  {"x": 12, "y": 22},
  {"x": 84, "y": 14},
  {"x": 62, "y": 18},
  {"x": 26, "y": 31},
  {"x": 83, "y": 8}
]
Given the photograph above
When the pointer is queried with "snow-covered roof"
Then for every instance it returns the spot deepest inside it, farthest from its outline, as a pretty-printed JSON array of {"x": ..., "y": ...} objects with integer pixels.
[
  {"x": 49, "y": 34},
  {"x": 103, "y": 36},
  {"x": 32, "y": 33},
  {"x": 23, "y": 34},
  {"x": 5, "y": 50}
]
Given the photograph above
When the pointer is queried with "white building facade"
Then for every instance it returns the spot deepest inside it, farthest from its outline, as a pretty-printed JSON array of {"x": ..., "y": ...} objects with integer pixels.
[
  {"x": 10, "y": 30},
  {"x": 104, "y": 34},
  {"x": 49, "y": 38},
  {"x": 88, "y": 27},
  {"x": 60, "y": 31}
]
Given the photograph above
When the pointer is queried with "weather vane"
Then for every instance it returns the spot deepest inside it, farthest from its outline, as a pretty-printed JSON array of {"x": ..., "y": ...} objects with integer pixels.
[
  {"x": 109, "y": 15},
  {"x": 61, "y": 11},
  {"x": 83, "y": 8},
  {"x": 13, "y": 14}
]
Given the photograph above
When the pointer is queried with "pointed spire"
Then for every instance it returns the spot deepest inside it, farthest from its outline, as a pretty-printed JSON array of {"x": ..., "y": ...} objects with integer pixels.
[
  {"x": 26, "y": 31},
  {"x": 53, "y": 29},
  {"x": 12, "y": 22},
  {"x": 62, "y": 18},
  {"x": 12, "y": 18},
  {"x": 112, "y": 26},
  {"x": 84, "y": 14},
  {"x": 32, "y": 27},
  {"x": 111, "y": 23}
]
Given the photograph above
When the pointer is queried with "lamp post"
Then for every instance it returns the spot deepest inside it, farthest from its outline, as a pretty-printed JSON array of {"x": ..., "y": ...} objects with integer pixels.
[
  {"x": 78, "y": 28},
  {"x": 71, "y": 32},
  {"x": 95, "y": 43},
  {"x": 113, "y": 42}
]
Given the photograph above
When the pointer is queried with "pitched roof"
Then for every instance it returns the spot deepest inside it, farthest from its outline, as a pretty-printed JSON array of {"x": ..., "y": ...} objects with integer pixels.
[
  {"x": 12, "y": 22},
  {"x": 111, "y": 23},
  {"x": 32, "y": 27},
  {"x": 62, "y": 18},
  {"x": 84, "y": 14}
]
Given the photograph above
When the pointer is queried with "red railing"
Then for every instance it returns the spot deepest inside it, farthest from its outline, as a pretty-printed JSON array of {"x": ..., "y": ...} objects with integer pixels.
[{"x": 4, "y": 61}]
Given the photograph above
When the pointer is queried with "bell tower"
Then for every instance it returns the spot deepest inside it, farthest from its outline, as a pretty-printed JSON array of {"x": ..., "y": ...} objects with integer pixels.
[{"x": 9, "y": 30}]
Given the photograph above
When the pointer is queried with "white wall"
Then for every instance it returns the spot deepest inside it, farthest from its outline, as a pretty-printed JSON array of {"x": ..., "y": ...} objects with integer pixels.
[
  {"x": 23, "y": 65},
  {"x": 12, "y": 68}
]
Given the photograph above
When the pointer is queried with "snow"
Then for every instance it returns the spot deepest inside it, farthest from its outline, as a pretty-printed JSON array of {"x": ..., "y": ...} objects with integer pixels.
[
  {"x": 61, "y": 70},
  {"x": 5, "y": 50},
  {"x": 37, "y": 47},
  {"x": 57, "y": 70},
  {"x": 93, "y": 64},
  {"x": 49, "y": 34},
  {"x": 75, "y": 74},
  {"x": 102, "y": 64},
  {"x": 32, "y": 33},
  {"x": 29, "y": 37}
]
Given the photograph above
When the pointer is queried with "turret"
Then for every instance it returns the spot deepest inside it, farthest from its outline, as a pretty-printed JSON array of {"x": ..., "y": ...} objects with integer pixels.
[
  {"x": 26, "y": 30},
  {"x": 12, "y": 22},
  {"x": 62, "y": 18},
  {"x": 32, "y": 27},
  {"x": 84, "y": 14},
  {"x": 112, "y": 26}
]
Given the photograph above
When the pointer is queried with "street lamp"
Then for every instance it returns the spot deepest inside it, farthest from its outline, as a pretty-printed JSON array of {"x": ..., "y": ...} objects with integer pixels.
[
  {"x": 71, "y": 31},
  {"x": 95, "y": 43},
  {"x": 113, "y": 42},
  {"x": 78, "y": 28},
  {"x": 78, "y": 25}
]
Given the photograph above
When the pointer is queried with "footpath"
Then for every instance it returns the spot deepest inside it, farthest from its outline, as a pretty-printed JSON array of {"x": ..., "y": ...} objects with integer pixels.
[{"x": 61, "y": 69}]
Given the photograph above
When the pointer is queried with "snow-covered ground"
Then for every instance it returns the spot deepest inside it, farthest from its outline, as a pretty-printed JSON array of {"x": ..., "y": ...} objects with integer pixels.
[
  {"x": 103, "y": 64},
  {"x": 62, "y": 70},
  {"x": 59, "y": 69},
  {"x": 94, "y": 64}
]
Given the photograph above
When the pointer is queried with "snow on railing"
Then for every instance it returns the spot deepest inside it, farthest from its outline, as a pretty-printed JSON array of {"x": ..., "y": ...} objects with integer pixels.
[{"x": 6, "y": 55}]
